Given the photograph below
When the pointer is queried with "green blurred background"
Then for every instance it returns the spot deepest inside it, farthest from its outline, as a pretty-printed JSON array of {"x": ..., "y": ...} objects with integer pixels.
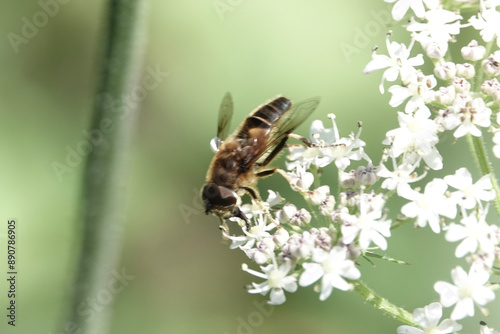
[{"x": 186, "y": 279}]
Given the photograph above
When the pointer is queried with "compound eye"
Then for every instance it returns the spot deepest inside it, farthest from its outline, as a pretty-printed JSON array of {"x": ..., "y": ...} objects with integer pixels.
[
  {"x": 218, "y": 197},
  {"x": 210, "y": 191}
]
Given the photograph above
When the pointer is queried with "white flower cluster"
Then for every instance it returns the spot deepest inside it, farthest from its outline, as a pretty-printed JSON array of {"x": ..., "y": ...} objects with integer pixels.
[
  {"x": 320, "y": 243},
  {"x": 462, "y": 97}
]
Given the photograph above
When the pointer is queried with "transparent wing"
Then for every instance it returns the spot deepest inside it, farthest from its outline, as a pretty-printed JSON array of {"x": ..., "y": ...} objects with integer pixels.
[
  {"x": 225, "y": 115},
  {"x": 293, "y": 118},
  {"x": 286, "y": 124}
]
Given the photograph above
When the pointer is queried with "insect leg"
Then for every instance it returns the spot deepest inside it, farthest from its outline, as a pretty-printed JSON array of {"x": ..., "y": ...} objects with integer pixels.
[
  {"x": 275, "y": 152},
  {"x": 238, "y": 213},
  {"x": 302, "y": 139},
  {"x": 253, "y": 193},
  {"x": 266, "y": 172},
  {"x": 224, "y": 228}
]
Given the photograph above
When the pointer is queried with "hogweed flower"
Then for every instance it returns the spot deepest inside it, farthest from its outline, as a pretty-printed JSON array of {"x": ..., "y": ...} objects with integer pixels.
[
  {"x": 467, "y": 290},
  {"x": 486, "y": 22},
  {"x": 415, "y": 139},
  {"x": 427, "y": 207},
  {"x": 469, "y": 194},
  {"x": 418, "y": 89},
  {"x": 277, "y": 280},
  {"x": 439, "y": 25},
  {"x": 428, "y": 318},
  {"x": 331, "y": 267},
  {"x": 366, "y": 226},
  {"x": 397, "y": 64},
  {"x": 474, "y": 233}
]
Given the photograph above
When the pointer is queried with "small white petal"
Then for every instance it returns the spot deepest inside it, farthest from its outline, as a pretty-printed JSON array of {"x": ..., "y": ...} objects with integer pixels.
[
  {"x": 326, "y": 291},
  {"x": 447, "y": 292},
  {"x": 337, "y": 282},
  {"x": 467, "y": 246},
  {"x": 463, "y": 308},
  {"x": 277, "y": 296},
  {"x": 311, "y": 274},
  {"x": 449, "y": 326},
  {"x": 289, "y": 283}
]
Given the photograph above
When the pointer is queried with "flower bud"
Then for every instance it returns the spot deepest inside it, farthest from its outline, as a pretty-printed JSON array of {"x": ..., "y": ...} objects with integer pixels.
[
  {"x": 491, "y": 65},
  {"x": 280, "y": 237},
  {"x": 445, "y": 70},
  {"x": 496, "y": 96},
  {"x": 461, "y": 85},
  {"x": 445, "y": 95},
  {"x": 286, "y": 213},
  {"x": 348, "y": 180},
  {"x": 465, "y": 70},
  {"x": 366, "y": 175},
  {"x": 348, "y": 198},
  {"x": 490, "y": 86},
  {"x": 327, "y": 206},
  {"x": 473, "y": 51},
  {"x": 319, "y": 194},
  {"x": 434, "y": 49},
  {"x": 301, "y": 218}
]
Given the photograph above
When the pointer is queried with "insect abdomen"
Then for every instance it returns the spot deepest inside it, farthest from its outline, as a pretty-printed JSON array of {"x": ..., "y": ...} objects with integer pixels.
[{"x": 265, "y": 116}]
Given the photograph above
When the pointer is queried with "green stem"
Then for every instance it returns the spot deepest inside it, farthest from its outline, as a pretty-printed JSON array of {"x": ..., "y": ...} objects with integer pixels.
[
  {"x": 479, "y": 70},
  {"x": 322, "y": 221},
  {"x": 384, "y": 305},
  {"x": 478, "y": 150},
  {"x": 314, "y": 171},
  {"x": 106, "y": 170}
]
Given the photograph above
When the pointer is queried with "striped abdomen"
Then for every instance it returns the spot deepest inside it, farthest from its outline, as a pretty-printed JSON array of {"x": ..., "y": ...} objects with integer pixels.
[{"x": 258, "y": 124}]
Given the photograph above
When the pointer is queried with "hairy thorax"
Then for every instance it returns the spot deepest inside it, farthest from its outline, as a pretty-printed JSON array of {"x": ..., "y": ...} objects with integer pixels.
[{"x": 228, "y": 167}]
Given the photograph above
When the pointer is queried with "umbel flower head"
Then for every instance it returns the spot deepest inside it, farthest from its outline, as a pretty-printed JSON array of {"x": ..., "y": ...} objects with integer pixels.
[
  {"x": 467, "y": 290},
  {"x": 464, "y": 102},
  {"x": 336, "y": 226}
]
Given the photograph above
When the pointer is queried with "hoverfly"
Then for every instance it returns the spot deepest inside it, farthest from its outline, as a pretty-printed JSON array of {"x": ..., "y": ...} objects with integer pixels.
[{"x": 243, "y": 157}]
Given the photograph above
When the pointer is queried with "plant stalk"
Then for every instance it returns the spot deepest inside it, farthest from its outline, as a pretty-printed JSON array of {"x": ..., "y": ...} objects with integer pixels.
[
  {"x": 384, "y": 305},
  {"x": 106, "y": 172},
  {"x": 478, "y": 150}
]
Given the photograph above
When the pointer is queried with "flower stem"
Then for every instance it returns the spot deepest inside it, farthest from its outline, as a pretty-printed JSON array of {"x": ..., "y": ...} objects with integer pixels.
[
  {"x": 316, "y": 175},
  {"x": 478, "y": 150},
  {"x": 479, "y": 70},
  {"x": 384, "y": 305},
  {"x": 106, "y": 171}
]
